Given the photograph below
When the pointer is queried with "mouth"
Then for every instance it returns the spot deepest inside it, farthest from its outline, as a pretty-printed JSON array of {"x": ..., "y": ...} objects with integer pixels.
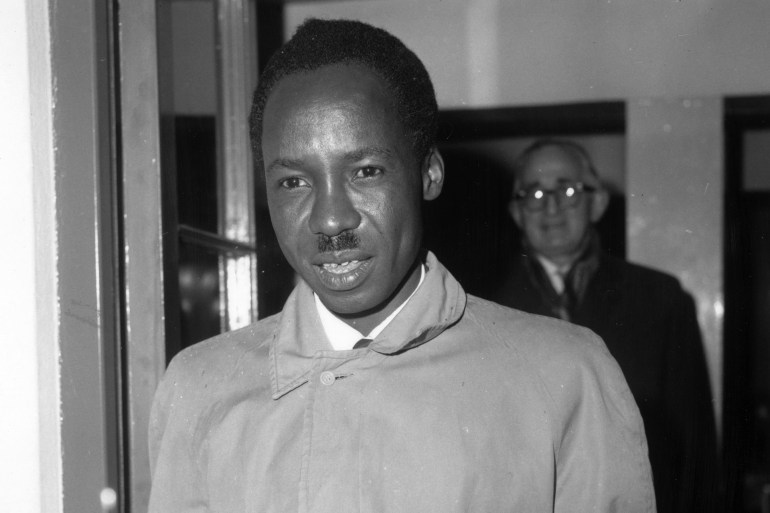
[
  {"x": 342, "y": 267},
  {"x": 554, "y": 224},
  {"x": 344, "y": 275}
]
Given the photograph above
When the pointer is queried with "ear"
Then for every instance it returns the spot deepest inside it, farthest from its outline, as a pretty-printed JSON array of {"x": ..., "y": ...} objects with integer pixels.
[
  {"x": 514, "y": 208},
  {"x": 432, "y": 175},
  {"x": 599, "y": 201}
]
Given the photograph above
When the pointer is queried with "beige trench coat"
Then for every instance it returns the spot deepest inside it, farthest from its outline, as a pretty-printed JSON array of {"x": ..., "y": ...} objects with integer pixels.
[{"x": 459, "y": 405}]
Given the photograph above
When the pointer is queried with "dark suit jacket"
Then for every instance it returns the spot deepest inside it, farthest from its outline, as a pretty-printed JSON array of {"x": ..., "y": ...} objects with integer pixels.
[{"x": 649, "y": 325}]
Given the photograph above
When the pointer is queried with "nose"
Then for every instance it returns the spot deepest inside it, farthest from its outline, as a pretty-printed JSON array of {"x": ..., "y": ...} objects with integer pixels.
[
  {"x": 552, "y": 204},
  {"x": 333, "y": 211}
]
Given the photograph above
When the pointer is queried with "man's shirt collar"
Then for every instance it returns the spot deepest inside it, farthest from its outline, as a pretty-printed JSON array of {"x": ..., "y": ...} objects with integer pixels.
[
  {"x": 343, "y": 336},
  {"x": 555, "y": 273},
  {"x": 299, "y": 337}
]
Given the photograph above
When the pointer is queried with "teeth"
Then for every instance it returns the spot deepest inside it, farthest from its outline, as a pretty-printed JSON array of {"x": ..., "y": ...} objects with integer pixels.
[{"x": 341, "y": 268}]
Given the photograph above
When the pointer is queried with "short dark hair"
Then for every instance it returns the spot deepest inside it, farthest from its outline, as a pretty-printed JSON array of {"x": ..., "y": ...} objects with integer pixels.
[
  {"x": 318, "y": 43},
  {"x": 570, "y": 147}
]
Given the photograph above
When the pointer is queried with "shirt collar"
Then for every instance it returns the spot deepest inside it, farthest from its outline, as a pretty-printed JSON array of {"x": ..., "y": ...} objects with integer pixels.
[
  {"x": 342, "y": 335},
  {"x": 299, "y": 336},
  {"x": 555, "y": 273}
]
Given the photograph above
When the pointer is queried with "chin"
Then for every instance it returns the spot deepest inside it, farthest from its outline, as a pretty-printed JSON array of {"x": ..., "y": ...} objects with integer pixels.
[
  {"x": 350, "y": 304},
  {"x": 560, "y": 252}
]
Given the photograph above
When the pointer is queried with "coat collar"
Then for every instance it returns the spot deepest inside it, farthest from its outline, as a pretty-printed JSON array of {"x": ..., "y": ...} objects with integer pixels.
[{"x": 299, "y": 336}]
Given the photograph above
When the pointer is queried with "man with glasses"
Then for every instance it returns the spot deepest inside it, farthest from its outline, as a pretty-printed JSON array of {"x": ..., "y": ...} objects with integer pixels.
[{"x": 644, "y": 316}]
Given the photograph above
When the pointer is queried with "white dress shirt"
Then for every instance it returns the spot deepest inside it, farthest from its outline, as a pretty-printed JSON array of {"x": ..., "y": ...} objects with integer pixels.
[
  {"x": 342, "y": 335},
  {"x": 555, "y": 273}
]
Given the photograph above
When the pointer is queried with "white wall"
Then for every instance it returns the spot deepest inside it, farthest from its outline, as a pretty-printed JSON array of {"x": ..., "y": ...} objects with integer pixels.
[
  {"x": 675, "y": 192},
  {"x": 496, "y": 52},
  {"x": 52, "y": 393},
  {"x": 24, "y": 439}
]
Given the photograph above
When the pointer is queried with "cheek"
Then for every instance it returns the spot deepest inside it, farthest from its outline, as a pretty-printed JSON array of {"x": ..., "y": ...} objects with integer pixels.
[
  {"x": 286, "y": 226},
  {"x": 531, "y": 224},
  {"x": 392, "y": 205},
  {"x": 406, "y": 214},
  {"x": 535, "y": 233},
  {"x": 579, "y": 220},
  {"x": 283, "y": 237},
  {"x": 286, "y": 211}
]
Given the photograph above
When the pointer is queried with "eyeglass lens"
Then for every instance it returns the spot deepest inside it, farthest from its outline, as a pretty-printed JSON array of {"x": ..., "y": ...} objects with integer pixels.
[{"x": 565, "y": 196}]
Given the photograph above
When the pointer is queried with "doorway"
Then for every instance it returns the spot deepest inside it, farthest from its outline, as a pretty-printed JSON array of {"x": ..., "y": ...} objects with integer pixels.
[
  {"x": 747, "y": 305},
  {"x": 468, "y": 226}
]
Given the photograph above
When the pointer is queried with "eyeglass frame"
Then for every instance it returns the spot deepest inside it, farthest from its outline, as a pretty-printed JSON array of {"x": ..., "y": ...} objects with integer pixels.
[{"x": 559, "y": 195}]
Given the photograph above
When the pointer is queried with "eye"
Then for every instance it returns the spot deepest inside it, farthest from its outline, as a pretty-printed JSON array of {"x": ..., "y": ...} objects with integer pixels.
[
  {"x": 368, "y": 172},
  {"x": 293, "y": 182},
  {"x": 538, "y": 194}
]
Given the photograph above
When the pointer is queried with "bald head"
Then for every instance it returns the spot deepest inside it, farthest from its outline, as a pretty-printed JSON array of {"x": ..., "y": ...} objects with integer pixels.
[{"x": 545, "y": 151}]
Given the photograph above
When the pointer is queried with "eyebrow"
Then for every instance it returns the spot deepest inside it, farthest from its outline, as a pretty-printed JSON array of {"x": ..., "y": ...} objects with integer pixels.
[
  {"x": 368, "y": 151},
  {"x": 351, "y": 156},
  {"x": 287, "y": 163}
]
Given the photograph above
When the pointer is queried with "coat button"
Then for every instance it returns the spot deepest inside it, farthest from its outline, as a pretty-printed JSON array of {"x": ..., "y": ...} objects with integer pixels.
[{"x": 327, "y": 378}]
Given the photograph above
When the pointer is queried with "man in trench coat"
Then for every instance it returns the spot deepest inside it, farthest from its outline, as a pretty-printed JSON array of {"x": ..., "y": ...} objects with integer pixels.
[{"x": 382, "y": 386}]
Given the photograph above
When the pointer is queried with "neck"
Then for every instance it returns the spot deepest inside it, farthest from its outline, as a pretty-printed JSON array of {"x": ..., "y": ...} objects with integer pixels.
[
  {"x": 562, "y": 261},
  {"x": 364, "y": 322}
]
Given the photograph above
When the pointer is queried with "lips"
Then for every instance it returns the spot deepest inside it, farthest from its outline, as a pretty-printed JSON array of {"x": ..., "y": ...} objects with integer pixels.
[
  {"x": 551, "y": 225},
  {"x": 343, "y": 275},
  {"x": 341, "y": 268}
]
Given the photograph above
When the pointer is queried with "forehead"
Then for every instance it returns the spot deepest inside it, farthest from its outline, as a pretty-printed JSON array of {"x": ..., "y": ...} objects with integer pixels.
[
  {"x": 551, "y": 165},
  {"x": 332, "y": 80},
  {"x": 343, "y": 97}
]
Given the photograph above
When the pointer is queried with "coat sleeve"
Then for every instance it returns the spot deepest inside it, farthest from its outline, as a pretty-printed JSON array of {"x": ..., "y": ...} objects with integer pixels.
[{"x": 602, "y": 462}]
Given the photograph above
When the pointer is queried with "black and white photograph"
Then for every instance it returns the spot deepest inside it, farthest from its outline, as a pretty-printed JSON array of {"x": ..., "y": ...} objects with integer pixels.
[{"x": 385, "y": 256}]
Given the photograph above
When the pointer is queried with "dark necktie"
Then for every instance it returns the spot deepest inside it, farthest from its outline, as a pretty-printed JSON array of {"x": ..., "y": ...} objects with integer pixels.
[
  {"x": 362, "y": 343},
  {"x": 567, "y": 297}
]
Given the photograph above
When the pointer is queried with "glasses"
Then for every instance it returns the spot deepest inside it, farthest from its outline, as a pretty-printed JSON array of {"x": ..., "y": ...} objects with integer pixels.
[{"x": 565, "y": 195}]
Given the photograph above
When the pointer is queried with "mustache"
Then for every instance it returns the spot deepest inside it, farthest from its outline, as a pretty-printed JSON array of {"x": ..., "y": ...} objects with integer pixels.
[{"x": 345, "y": 240}]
